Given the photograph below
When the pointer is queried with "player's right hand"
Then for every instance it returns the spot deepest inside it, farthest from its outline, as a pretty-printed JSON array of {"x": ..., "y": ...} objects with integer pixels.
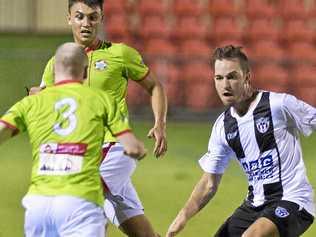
[
  {"x": 132, "y": 146},
  {"x": 137, "y": 151},
  {"x": 35, "y": 90},
  {"x": 177, "y": 225}
]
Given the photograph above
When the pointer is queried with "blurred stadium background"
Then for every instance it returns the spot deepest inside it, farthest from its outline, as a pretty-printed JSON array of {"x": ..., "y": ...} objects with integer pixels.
[{"x": 176, "y": 38}]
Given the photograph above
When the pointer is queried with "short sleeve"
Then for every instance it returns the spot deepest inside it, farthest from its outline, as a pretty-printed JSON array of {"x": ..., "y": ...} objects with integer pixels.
[
  {"x": 115, "y": 119},
  {"x": 48, "y": 74},
  {"x": 14, "y": 118},
  {"x": 135, "y": 68},
  {"x": 300, "y": 114},
  {"x": 217, "y": 158}
]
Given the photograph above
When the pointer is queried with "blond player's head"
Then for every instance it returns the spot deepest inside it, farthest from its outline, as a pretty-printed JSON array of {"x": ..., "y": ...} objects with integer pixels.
[{"x": 71, "y": 62}]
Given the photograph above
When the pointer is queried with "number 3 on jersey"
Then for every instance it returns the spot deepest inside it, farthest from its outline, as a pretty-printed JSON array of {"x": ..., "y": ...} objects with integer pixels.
[{"x": 69, "y": 121}]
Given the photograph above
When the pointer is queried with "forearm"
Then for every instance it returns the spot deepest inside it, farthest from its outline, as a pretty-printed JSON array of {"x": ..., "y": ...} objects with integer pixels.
[
  {"x": 203, "y": 192},
  {"x": 158, "y": 97},
  {"x": 159, "y": 104},
  {"x": 201, "y": 195},
  {"x": 5, "y": 133},
  {"x": 132, "y": 146}
]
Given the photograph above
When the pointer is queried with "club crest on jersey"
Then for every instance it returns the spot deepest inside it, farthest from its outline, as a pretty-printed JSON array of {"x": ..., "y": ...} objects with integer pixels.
[
  {"x": 281, "y": 212},
  {"x": 232, "y": 135},
  {"x": 100, "y": 65},
  {"x": 263, "y": 124}
]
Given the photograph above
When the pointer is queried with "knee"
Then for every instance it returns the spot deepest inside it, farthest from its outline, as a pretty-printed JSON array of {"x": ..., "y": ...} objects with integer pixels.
[
  {"x": 142, "y": 233},
  {"x": 252, "y": 233},
  {"x": 257, "y": 233}
]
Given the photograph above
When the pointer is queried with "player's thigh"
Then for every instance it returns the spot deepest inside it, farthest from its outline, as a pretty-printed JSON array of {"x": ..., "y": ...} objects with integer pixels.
[
  {"x": 78, "y": 217},
  {"x": 37, "y": 221},
  {"x": 290, "y": 220},
  {"x": 238, "y": 222},
  {"x": 262, "y": 227},
  {"x": 116, "y": 168},
  {"x": 123, "y": 205}
]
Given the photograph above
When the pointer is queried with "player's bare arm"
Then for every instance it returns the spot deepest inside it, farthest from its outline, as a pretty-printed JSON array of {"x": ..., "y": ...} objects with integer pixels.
[
  {"x": 202, "y": 193},
  {"x": 132, "y": 146},
  {"x": 159, "y": 106},
  {"x": 35, "y": 90},
  {"x": 5, "y": 132}
]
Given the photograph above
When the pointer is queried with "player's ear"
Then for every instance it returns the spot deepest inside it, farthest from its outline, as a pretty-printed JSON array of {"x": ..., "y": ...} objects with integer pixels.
[
  {"x": 69, "y": 18},
  {"x": 85, "y": 72},
  {"x": 248, "y": 76}
]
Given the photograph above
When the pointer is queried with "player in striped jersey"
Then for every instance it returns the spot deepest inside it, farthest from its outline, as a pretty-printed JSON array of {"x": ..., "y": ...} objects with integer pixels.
[
  {"x": 65, "y": 124},
  {"x": 261, "y": 130}
]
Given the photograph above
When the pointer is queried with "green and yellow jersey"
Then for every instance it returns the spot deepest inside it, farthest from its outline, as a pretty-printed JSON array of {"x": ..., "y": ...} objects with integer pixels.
[
  {"x": 64, "y": 123},
  {"x": 110, "y": 67}
]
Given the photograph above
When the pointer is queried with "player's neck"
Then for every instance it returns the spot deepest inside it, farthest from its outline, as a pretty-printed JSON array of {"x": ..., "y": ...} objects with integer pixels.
[
  {"x": 89, "y": 46},
  {"x": 93, "y": 46},
  {"x": 67, "y": 79},
  {"x": 243, "y": 107}
]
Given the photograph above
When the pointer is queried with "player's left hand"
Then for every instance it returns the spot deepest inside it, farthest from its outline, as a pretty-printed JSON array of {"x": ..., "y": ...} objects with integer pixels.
[
  {"x": 159, "y": 133},
  {"x": 177, "y": 225}
]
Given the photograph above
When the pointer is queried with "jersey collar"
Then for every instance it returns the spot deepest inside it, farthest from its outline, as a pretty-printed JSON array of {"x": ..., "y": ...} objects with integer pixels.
[
  {"x": 94, "y": 46},
  {"x": 67, "y": 82}
]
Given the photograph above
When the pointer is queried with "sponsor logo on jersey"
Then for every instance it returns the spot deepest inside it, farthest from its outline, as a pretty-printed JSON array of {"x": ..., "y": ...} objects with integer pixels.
[
  {"x": 64, "y": 148},
  {"x": 232, "y": 135},
  {"x": 281, "y": 212},
  {"x": 100, "y": 65},
  {"x": 259, "y": 169},
  {"x": 59, "y": 164},
  {"x": 61, "y": 158},
  {"x": 263, "y": 124}
]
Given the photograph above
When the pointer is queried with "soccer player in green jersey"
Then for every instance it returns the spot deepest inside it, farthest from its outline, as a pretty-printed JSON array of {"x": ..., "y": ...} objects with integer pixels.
[
  {"x": 110, "y": 67},
  {"x": 65, "y": 124}
]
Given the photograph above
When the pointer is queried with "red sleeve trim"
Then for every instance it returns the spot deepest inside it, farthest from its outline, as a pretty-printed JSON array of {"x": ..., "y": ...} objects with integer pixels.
[
  {"x": 123, "y": 132},
  {"x": 144, "y": 77},
  {"x": 10, "y": 126}
]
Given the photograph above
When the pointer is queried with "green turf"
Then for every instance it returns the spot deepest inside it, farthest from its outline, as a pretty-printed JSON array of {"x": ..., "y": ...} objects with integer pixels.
[
  {"x": 22, "y": 61},
  {"x": 163, "y": 185}
]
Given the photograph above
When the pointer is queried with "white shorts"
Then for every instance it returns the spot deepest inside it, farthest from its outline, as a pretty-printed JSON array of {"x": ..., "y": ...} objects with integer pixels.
[
  {"x": 62, "y": 216},
  {"x": 122, "y": 201}
]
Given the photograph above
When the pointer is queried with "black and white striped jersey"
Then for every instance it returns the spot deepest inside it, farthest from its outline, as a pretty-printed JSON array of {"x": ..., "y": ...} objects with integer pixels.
[{"x": 265, "y": 141}]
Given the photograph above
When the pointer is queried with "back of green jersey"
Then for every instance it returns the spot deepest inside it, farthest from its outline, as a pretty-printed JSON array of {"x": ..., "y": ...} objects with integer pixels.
[
  {"x": 65, "y": 124},
  {"x": 110, "y": 67}
]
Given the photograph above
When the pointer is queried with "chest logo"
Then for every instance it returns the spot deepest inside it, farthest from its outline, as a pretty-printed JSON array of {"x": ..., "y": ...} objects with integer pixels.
[
  {"x": 263, "y": 124},
  {"x": 100, "y": 65},
  {"x": 232, "y": 135}
]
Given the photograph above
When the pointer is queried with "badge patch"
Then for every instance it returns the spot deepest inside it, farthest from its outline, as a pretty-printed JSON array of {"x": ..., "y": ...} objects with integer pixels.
[
  {"x": 263, "y": 124},
  {"x": 100, "y": 65},
  {"x": 281, "y": 212},
  {"x": 232, "y": 135}
]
